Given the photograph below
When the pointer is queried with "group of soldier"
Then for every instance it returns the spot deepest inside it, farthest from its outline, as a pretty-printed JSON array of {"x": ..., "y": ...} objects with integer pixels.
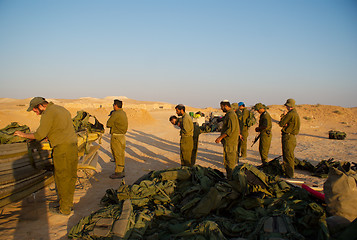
[
  {"x": 234, "y": 134},
  {"x": 56, "y": 125}
]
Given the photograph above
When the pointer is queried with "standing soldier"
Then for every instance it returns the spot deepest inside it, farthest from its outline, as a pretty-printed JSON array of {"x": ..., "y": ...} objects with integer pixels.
[
  {"x": 264, "y": 130},
  {"x": 242, "y": 114},
  {"x": 196, "y": 133},
  {"x": 118, "y": 124},
  {"x": 229, "y": 138},
  {"x": 290, "y": 123},
  {"x": 56, "y": 124},
  {"x": 186, "y": 132}
]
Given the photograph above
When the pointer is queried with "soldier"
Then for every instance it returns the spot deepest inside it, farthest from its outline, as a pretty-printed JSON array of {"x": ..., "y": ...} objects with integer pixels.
[
  {"x": 264, "y": 129},
  {"x": 56, "y": 124},
  {"x": 229, "y": 138},
  {"x": 118, "y": 124},
  {"x": 196, "y": 132},
  {"x": 186, "y": 132},
  {"x": 242, "y": 114},
  {"x": 290, "y": 123}
]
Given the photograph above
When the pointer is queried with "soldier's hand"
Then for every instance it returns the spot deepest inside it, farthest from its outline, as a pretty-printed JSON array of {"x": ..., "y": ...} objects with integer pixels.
[{"x": 18, "y": 133}]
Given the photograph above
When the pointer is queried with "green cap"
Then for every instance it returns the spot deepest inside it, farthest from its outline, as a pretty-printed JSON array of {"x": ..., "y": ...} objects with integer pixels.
[
  {"x": 34, "y": 102},
  {"x": 290, "y": 103}
]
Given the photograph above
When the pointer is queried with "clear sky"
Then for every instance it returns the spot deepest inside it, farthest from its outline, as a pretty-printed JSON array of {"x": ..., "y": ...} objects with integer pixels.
[{"x": 195, "y": 52}]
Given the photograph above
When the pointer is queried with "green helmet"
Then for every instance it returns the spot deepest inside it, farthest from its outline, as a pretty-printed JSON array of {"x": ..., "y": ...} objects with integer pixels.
[
  {"x": 258, "y": 106},
  {"x": 290, "y": 102},
  {"x": 234, "y": 106}
]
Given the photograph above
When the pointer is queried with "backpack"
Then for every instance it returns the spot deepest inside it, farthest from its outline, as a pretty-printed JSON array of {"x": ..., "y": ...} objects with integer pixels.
[
  {"x": 251, "y": 120},
  {"x": 336, "y": 135},
  {"x": 340, "y": 191}
]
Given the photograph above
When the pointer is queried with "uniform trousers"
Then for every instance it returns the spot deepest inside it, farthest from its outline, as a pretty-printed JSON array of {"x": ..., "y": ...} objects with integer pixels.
[
  {"x": 65, "y": 160},
  {"x": 288, "y": 142},
  {"x": 117, "y": 145}
]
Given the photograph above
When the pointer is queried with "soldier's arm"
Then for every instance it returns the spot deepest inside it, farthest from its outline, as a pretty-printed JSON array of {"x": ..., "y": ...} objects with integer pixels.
[
  {"x": 44, "y": 128},
  {"x": 284, "y": 120}
]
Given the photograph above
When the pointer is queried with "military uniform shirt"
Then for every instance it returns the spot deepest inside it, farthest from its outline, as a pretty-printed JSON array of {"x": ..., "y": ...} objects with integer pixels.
[
  {"x": 242, "y": 118},
  {"x": 118, "y": 122},
  {"x": 230, "y": 125},
  {"x": 290, "y": 123},
  {"x": 265, "y": 122},
  {"x": 56, "y": 124},
  {"x": 187, "y": 126}
]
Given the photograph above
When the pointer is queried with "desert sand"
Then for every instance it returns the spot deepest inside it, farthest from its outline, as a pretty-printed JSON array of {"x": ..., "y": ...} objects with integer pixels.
[{"x": 153, "y": 144}]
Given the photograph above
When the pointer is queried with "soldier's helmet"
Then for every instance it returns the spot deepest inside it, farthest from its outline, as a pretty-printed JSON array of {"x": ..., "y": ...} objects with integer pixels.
[
  {"x": 290, "y": 102},
  {"x": 258, "y": 106},
  {"x": 234, "y": 106}
]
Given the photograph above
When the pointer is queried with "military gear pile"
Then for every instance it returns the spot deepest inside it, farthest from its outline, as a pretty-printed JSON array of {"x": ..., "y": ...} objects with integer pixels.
[
  {"x": 321, "y": 170},
  {"x": 336, "y": 135},
  {"x": 7, "y": 133},
  {"x": 81, "y": 122},
  {"x": 200, "y": 203}
]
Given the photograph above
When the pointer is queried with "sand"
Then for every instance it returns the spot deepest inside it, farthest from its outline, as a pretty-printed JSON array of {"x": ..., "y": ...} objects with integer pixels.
[{"x": 153, "y": 144}]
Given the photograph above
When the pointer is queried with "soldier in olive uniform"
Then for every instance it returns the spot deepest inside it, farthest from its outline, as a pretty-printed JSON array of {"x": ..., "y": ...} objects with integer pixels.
[
  {"x": 242, "y": 114},
  {"x": 196, "y": 133},
  {"x": 290, "y": 123},
  {"x": 229, "y": 138},
  {"x": 186, "y": 132},
  {"x": 264, "y": 129},
  {"x": 56, "y": 124},
  {"x": 118, "y": 124}
]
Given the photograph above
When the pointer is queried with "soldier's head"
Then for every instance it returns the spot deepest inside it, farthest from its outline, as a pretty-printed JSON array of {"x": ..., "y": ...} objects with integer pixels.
[
  {"x": 259, "y": 107},
  {"x": 38, "y": 105},
  {"x": 290, "y": 104},
  {"x": 241, "y": 105},
  {"x": 180, "y": 109},
  {"x": 234, "y": 106},
  {"x": 173, "y": 120},
  {"x": 117, "y": 104},
  {"x": 225, "y": 105}
]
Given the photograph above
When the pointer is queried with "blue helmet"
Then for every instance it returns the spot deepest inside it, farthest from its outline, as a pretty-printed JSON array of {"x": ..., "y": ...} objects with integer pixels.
[{"x": 241, "y": 104}]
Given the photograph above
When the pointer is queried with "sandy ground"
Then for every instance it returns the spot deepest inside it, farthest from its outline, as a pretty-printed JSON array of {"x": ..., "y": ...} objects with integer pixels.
[{"x": 152, "y": 144}]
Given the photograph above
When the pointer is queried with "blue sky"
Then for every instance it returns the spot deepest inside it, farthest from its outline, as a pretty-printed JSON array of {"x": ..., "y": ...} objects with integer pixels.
[{"x": 195, "y": 52}]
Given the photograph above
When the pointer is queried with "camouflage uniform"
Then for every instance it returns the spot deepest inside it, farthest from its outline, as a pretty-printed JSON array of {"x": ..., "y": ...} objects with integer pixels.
[
  {"x": 56, "y": 124},
  {"x": 186, "y": 141},
  {"x": 242, "y": 144},
  {"x": 118, "y": 124},
  {"x": 230, "y": 143},
  {"x": 265, "y": 136},
  {"x": 290, "y": 124}
]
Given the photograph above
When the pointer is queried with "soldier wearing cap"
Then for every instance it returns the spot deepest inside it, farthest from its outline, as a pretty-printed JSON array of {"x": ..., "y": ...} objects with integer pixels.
[
  {"x": 118, "y": 124},
  {"x": 186, "y": 132},
  {"x": 264, "y": 129},
  {"x": 290, "y": 123},
  {"x": 229, "y": 137},
  {"x": 56, "y": 124},
  {"x": 242, "y": 114}
]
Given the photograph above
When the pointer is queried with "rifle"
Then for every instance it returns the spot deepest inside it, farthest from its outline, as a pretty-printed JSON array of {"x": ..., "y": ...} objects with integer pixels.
[{"x": 256, "y": 139}]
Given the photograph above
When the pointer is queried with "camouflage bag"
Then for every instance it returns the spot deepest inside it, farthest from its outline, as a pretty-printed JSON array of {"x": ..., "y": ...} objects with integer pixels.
[
  {"x": 7, "y": 133},
  {"x": 251, "y": 120},
  {"x": 82, "y": 122},
  {"x": 340, "y": 191},
  {"x": 336, "y": 135}
]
